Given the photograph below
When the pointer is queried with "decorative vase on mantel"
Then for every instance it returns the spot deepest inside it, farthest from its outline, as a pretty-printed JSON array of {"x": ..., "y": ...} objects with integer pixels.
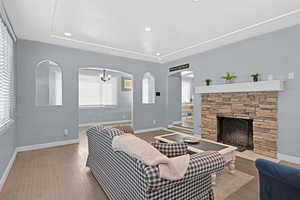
[
  {"x": 229, "y": 77},
  {"x": 228, "y": 81},
  {"x": 255, "y": 77},
  {"x": 207, "y": 82}
]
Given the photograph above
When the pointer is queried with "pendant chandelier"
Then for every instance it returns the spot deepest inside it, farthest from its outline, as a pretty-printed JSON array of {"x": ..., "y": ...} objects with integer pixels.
[{"x": 104, "y": 76}]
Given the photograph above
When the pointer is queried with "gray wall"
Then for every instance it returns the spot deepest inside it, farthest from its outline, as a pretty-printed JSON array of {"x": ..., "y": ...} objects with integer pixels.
[
  {"x": 38, "y": 125},
  {"x": 120, "y": 112},
  {"x": 174, "y": 98},
  {"x": 275, "y": 53}
]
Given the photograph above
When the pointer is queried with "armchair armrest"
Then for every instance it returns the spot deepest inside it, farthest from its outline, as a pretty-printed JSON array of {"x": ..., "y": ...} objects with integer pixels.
[
  {"x": 201, "y": 164},
  {"x": 281, "y": 173},
  {"x": 171, "y": 150},
  {"x": 205, "y": 163}
]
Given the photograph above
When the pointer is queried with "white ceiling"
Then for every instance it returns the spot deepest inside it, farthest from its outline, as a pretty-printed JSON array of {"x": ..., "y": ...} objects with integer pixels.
[{"x": 179, "y": 27}]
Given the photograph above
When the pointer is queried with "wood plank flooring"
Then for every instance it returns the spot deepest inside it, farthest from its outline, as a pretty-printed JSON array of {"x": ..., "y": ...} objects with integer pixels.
[{"x": 60, "y": 174}]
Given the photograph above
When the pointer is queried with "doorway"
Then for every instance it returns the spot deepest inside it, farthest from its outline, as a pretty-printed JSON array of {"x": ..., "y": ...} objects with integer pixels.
[
  {"x": 180, "y": 100},
  {"x": 105, "y": 97}
]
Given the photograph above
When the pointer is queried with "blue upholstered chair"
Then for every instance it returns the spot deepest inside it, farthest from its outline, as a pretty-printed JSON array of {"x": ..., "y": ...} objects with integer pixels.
[{"x": 277, "y": 181}]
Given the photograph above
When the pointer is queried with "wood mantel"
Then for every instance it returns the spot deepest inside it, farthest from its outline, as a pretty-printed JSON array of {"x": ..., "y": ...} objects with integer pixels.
[{"x": 260, "y": 86}]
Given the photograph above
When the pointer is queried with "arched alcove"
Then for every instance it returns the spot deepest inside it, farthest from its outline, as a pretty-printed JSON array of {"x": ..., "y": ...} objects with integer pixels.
[
  {"x": 48, "y": 76},
  {"x": 148, "y": 86}
]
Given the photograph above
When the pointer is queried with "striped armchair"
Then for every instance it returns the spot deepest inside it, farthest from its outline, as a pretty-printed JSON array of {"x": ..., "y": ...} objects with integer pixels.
[{"x": 123, "y": 177}]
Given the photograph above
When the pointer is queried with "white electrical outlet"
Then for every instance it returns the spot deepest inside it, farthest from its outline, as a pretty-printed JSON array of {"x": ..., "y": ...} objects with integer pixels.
[
  {"x": 66, "y": 132},
  {"x": 291, "y": 75},
  {"x": 154, "y": 121},
  {"x": 270, "y": 77}
]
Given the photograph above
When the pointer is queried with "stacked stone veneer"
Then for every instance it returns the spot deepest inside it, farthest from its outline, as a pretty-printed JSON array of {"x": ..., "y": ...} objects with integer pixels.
[{"x": 259, "y": 106}]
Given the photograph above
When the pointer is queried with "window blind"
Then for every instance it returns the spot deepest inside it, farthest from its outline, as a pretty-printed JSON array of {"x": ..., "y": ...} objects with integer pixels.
[
  {"x": 7, "y": 99},
  {"x": 94, "y": 92}
]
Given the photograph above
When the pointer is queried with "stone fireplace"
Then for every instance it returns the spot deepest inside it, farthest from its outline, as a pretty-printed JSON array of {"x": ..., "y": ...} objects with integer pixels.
[{"x": 248, "y": 119}]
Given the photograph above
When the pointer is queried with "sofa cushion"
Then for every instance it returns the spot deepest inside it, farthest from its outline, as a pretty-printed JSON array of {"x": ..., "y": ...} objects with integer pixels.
[
  {"x": 171, "y": 150},
  {"x": 110, "y": 132},
  {"x": 125, "y": 129}
]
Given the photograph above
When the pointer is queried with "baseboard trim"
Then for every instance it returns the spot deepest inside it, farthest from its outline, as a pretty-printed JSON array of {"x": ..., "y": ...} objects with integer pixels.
[
  {"x": 104, "y": 123},
  {"x": 7, "y": 170},
  {"x": 180, "y": 127},
  {"x": 47, "y": 145},
  {"x": 148, "y": 130},
  {"x": 285, "y": 157}
]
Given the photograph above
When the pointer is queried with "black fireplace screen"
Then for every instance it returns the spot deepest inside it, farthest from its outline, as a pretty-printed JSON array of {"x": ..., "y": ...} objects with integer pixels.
[{"x": 236, "y": 132}]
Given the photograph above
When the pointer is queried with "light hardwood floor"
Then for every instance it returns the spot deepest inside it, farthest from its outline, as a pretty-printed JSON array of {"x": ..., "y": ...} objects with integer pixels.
[{"x": 60, "y": 174}]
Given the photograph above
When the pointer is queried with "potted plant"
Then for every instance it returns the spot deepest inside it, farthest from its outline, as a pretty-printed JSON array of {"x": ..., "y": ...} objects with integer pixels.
[
  {"x": 229, "y": 77},
  {"x": 255, "y": 77},
  {"x": 208, "y": 81}
]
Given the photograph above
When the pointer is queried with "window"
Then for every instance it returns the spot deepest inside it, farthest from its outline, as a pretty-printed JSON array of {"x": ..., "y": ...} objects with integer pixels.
[
  {"x": 95, "y": 92},
  {"x": 148, "y": 89},
  {"x": 186, "y": 91},
  {"x": 48, "y": 83},
  {"x": 6, "y": 76}
]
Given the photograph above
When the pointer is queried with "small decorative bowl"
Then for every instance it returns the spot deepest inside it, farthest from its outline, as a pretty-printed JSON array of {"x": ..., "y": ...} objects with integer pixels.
[{"x": 190, "y": 140}]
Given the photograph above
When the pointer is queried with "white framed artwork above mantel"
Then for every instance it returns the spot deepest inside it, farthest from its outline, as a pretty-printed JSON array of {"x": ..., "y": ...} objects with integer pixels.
[{"x": 260, "y": 86}]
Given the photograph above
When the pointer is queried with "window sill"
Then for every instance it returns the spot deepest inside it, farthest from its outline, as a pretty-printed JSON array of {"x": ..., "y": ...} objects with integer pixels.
[{"x": 6, "y": 126}]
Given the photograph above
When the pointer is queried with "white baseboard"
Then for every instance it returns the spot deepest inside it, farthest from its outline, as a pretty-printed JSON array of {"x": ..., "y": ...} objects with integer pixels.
[
  {"x": 148, "y": 130},
  {"x": 285, "y": 157},
  {"x": 47, "y": 145},
  {"x": 7, "y": 170},
  {"x": 104, "y": 123},
  {"x": 180, "y": 127}
]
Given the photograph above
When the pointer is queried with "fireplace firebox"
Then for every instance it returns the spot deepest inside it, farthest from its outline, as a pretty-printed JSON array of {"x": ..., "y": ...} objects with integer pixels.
[{"x": 236, "y": 132}]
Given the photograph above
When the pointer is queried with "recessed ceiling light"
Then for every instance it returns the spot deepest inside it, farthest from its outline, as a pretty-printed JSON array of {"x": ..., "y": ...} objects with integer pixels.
[
  {"x": 196, "y": 0},
  {"x": 148, "y": 29},
  {"x": 68, "y": 34},
  {"x": 158, "y": 54}
]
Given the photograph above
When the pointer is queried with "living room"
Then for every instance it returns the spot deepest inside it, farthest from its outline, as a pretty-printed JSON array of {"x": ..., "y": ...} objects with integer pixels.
[{"x": 89, "y": 90}]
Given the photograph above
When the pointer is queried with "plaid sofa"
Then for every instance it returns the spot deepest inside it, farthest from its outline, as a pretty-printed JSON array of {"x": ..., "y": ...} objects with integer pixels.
[{"x": 125, "y": 178}]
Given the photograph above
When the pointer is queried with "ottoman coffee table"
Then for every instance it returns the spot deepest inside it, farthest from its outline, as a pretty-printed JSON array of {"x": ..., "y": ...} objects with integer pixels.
[{"x": 227, "y": 151}]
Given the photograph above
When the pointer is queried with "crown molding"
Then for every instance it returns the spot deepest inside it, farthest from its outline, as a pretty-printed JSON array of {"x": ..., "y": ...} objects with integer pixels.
[
  {"x": 276, "y": 23},
  {"x": 111, "y": 50}
]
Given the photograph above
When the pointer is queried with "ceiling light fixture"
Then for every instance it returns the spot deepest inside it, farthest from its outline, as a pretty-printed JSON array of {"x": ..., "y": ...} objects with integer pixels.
[
  {"x": 157, "y": 54},
  {"x": 104, "y": 76},
  {"x": 67, "y": 34},
  {"x": 148, "y": 29}
]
